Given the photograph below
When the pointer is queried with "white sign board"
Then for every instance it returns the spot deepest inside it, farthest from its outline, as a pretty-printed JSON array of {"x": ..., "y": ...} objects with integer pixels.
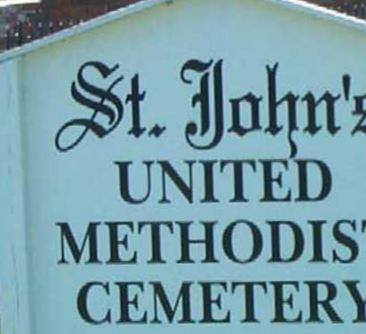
[
  {"x": 197, "y": 166},
  {"x": 4, "y": 3}
]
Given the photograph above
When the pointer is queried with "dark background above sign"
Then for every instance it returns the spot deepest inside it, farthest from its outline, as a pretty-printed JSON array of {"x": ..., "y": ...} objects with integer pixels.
[{"x": 23, "y": 23}]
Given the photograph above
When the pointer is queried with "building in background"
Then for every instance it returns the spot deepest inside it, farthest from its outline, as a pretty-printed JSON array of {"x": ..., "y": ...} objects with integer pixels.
[
  {"x": 23, "y": 23},
  {"x": 355, "y": 8}
]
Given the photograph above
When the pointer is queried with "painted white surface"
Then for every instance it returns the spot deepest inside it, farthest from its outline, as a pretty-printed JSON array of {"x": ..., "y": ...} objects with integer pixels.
[
  {"x": 296, "y": 5},
  {"x": 81, "y": 186},
  {"x": 4, "y": 3},
  {"x": 13, "y": 268}
]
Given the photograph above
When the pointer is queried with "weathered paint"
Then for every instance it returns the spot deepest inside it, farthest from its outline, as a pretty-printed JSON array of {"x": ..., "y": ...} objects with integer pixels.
[{"x": 13, "y": 269}]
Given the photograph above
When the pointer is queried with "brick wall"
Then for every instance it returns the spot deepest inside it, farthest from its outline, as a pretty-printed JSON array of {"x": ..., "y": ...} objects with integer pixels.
[
  {"x": 80, "y": 9},
  {"x": 22, "y": 24},
  {"x": 355, "y": 8}
]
